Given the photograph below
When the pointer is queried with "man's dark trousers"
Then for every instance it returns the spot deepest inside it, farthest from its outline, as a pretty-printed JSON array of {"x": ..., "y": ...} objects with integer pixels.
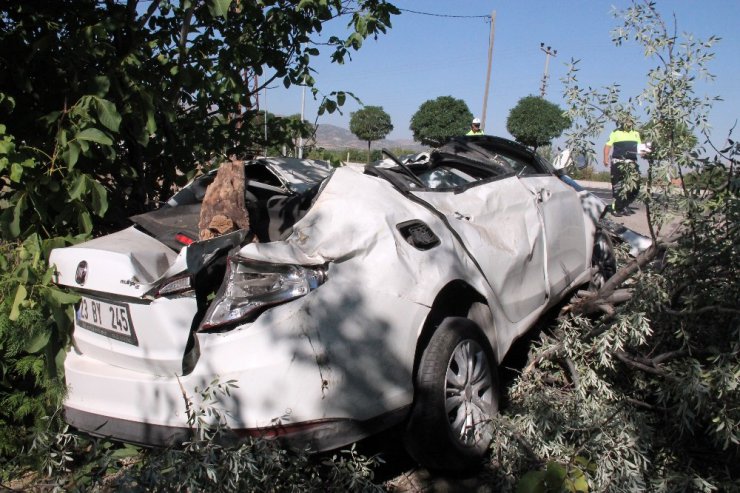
[{"x": 624, "y": 193}]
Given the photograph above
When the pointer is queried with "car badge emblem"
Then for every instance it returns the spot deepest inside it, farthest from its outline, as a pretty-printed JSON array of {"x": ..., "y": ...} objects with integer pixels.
[{"x": 81, "y": 273}]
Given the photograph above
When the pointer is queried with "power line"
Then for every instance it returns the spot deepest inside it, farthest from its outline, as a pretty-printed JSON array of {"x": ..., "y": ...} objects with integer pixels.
[{"x": 446, "y": 15}]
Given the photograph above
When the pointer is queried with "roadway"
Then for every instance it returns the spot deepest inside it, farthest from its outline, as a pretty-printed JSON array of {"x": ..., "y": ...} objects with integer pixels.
[{"x": 636, "y": 222}]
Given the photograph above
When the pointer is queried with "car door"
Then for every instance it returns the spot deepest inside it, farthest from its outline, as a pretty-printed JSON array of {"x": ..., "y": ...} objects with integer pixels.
[
  {"x": 563, "y": 223},
  {"x": 498, "y": 222}
]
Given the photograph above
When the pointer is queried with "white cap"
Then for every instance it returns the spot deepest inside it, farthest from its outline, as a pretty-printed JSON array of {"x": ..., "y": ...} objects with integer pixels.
[{"x": 476, "y": 121}]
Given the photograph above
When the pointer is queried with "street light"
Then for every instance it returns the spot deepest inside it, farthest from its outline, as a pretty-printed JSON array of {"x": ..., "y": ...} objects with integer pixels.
[{"x": 548, "y": 52}]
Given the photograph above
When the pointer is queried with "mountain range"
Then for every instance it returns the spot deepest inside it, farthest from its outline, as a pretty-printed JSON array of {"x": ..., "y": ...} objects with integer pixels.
[{"x": 333, "y": 137}]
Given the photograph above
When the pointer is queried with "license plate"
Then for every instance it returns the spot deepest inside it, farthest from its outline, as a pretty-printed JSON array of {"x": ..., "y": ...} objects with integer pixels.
[{"x": 107, "y": 318}]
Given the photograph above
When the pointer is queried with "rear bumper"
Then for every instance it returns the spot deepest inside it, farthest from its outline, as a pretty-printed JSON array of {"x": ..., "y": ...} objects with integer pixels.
[
  {"x": 125, "y": 430},
  {"x": 317, "y": 436}
]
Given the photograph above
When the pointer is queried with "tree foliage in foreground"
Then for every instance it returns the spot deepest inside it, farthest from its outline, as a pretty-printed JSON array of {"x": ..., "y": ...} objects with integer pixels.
[
  {"x": 110, "y": 104},
  {"x": 369, "y": 124},
  {"x": 643, "y": 396},
  {"x": 534, "y": 121},
  {"x": 209, "y": 460},
  {"x": 437, "y": 120}
]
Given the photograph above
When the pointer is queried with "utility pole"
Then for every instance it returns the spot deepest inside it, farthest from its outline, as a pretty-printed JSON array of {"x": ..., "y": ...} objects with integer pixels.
[
  {"x": 265, "y": 120},
  {"x": 488, "y": 74},
  {"x": 548, "y": 52},
  {"x": 303, "y": 109}
]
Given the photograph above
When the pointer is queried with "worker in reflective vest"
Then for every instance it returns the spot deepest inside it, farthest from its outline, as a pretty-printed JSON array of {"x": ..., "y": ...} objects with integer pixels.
[
  {"x": 475, "y": 128},
  {"x": 622, "y": 146}
]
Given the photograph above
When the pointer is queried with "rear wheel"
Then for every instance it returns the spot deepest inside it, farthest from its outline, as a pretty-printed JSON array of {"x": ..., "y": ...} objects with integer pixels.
[
  {"x": 456, "y": 398},
  {"x": 602, "y": 260}
]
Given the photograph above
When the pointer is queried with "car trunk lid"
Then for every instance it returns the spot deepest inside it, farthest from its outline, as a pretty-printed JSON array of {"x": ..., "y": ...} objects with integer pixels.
[{"x": 121, "y": 318}]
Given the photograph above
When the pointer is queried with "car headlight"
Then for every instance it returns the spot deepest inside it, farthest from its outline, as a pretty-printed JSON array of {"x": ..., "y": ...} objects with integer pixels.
[{"x": 251, "y": 286}]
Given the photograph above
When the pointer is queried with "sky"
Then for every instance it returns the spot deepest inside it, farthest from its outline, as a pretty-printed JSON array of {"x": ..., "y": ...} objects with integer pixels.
[{"x": 423, "y": 57}]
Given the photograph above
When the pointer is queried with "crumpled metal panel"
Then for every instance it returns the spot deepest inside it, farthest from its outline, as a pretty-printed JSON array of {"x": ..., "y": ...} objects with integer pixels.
[
  {"x": 298, "y": 174},
  {"x": 352, "y": 224},
  {"x": 126, "y": 263},
  {"x": 499, "y": 224}
]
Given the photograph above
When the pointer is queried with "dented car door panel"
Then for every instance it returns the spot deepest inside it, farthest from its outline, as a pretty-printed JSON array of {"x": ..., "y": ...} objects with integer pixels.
[
  {"x": 563, "y": 230},
  {"x": 500, "y": 226}
]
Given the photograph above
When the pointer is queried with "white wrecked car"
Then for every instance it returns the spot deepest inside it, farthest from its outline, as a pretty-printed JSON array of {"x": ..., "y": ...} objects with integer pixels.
[{"x": 385, "y": 295}]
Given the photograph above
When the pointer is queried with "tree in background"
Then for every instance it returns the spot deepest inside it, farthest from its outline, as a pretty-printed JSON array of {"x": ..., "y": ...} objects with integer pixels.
[
  {"x": 437, "y": 120},
  {"x": 281, "y": 135},
  {"x": 369, "y": 124},
  {"x": 535, "y": 121}
]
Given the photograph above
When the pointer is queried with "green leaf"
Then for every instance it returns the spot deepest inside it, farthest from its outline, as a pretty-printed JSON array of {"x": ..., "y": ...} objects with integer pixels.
[
  {"x": 219, "y": 8},
  {"x": 6, "y": 146},
  {"x": 15, "y": 224},
  {"x": 100, "y": 198},
  {"x": 61, "y": 297},
  {"x": 102, "y": 85},
  {"x": 578, "y": 480},
  {"x": 20, "y": 295},
  {"x": 71, "y": 154},
  {"x": 79, "y": 187},
  {"x": 94, "y": 135},
  {"x": 84, "y": 222},
  {"x": 59, "y": 359},
  {"x": 151, "y": 123},
  {"x": 16, "y": 172},
  {"x": 38, "y": 342},
  {"x": 127, "y": 451},
  {"x": 555, "y": 475},
  {"x": 532, "y": 482},
  {"x": 107, "y": 114}
]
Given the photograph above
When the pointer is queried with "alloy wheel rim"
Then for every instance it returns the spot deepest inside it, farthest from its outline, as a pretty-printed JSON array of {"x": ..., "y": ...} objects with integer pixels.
[{"x": 468, "y": 393}]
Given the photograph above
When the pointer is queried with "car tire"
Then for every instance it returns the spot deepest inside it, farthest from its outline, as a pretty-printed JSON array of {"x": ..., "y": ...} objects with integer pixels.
[
  {"x": 456, "y": 396},
  {"x": 603, "y": 261}
]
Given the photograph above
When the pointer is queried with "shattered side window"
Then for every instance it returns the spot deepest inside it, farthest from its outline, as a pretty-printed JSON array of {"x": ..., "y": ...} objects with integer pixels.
[{"x": 519, "y": 166}]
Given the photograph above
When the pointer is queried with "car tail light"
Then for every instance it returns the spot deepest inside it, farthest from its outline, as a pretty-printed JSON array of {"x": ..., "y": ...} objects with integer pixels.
[
  {"x": 184, "y": 239},
  {"x": 251, "y": 286},
  {"x": 174, "y": 285}
]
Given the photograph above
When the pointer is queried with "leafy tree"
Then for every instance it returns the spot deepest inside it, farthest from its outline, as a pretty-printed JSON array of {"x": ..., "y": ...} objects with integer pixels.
[
  {"x": 437, "y": 120},
  {"x": 282, "y": 133},
  {"x": 642, "y": 396},
  {"x": 370, "y": 123},
  {"x": 535, "y": 121},
  {"x": 666, "y": 131},
  {"x": 33, "y": 338},
  {"x": 129, "y": 98}
]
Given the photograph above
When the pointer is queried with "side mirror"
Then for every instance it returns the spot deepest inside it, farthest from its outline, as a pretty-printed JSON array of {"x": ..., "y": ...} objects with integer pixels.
[
  {"x": 565, "y": 158},
  {"x": 562, "y": 160}
]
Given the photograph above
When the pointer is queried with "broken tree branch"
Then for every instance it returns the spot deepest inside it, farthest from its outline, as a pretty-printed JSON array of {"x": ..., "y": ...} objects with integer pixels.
[
  {"x": 704, "y": 309},
  {"x": 634, "y": 362}
]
